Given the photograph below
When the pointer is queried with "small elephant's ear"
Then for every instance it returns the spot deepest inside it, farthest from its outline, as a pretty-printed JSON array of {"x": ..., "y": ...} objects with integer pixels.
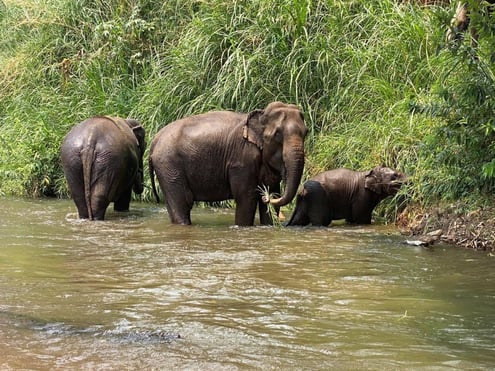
[
  {"x": 372, "y": 183},
  {"x": 253, "y": 128}
]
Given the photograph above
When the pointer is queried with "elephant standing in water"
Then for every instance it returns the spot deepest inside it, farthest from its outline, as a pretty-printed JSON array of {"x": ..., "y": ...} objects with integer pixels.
[
  {"x": 344, "y": 194},
  {"x": 227, "y": 155},
  {"x": 102, "y": 158}
]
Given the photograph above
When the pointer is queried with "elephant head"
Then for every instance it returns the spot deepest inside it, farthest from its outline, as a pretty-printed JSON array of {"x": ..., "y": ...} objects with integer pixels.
[
  {"x": 279, "y": 132},
  {"x": 384, "y": 181},
  {"x": 139, "y": 132}
]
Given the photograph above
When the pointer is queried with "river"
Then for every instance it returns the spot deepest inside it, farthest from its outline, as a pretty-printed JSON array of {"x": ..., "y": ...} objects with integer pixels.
[{"x": 135, "y": 292}]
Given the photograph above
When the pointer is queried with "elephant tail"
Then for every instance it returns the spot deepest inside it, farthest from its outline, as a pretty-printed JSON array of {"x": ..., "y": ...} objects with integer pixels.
[
  {"x": 152, "y": 177},
  {"x": 87, "y": 159}
]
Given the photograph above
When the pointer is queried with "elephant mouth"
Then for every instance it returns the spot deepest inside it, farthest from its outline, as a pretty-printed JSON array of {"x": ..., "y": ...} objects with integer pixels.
[{"x": 395, "y": 185}]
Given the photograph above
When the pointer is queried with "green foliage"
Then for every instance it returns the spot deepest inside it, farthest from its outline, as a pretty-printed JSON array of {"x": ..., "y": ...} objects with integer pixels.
[
  {"x": 461, "y": 150},
  {"x": 374, "y": 78}
]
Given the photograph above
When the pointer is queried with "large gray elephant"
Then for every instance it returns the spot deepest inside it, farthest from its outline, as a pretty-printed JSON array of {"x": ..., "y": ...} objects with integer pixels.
[
  {"x": 227, "y": 155},
  {"x": 102, "y": 158},
  {"x": 344, "y": 194}
]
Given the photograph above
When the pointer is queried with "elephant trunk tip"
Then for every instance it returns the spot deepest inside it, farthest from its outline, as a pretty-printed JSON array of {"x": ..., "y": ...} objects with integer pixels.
[{"x": 277, "y": 201}]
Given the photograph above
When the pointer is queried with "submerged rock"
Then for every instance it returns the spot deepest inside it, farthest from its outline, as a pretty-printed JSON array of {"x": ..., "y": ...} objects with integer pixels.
[{"x": 120, "y": 333}]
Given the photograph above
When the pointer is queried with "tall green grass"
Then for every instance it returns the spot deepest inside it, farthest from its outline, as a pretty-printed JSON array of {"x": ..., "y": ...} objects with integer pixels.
[
  {"x": 370, "y": 76},
  {"x": 458, "y": 155}
]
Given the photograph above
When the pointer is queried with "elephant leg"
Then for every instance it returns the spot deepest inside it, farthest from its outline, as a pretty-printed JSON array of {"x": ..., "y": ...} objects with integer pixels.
[
  {"x": 245, "y": 195},
  {"x": 82, "y": 209},
  {"x": 123, "y": 202},
  {"x": 300, "y": 213},
  {"x": 179, "y": 201},
  {"x": 75, "y": 182},
  {"x": 319, "y": 218},
  {"x": 179, "y": 212},
  {"x": 316, "y": 200},
  {"x": 99, "y": 204},
  {"x": 265, "y": 215},
  {"x": 246, "y": 204},
  {"x": 245, "y": 211},
  {"x": 360, "y": 215}
]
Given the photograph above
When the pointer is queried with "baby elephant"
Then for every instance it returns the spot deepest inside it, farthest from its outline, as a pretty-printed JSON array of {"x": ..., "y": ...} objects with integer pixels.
[
  {"x": 102, "y": 159},
  {"x": 344, "y": 194}
]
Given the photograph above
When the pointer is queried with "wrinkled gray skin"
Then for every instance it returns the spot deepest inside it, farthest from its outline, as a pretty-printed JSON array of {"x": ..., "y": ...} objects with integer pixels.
[
  {"x": 226, "y": 155},
  {"x": 102, "y": 158},
  {"x": 344, "y": 194}
]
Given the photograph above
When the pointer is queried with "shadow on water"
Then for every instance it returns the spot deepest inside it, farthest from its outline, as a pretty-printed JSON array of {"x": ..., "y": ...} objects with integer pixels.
[{"x": 119, "y": 294}]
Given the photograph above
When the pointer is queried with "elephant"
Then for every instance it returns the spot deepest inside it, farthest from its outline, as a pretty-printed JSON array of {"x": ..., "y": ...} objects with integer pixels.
[
  {"x": 344, "y": 194},
  {"x": 221, "y": 155},
  {"x": 102, "y": 159}
]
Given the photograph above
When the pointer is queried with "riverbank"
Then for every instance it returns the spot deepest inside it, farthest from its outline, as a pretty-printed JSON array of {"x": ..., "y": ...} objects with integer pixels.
[{"x": 473, "y": 229}]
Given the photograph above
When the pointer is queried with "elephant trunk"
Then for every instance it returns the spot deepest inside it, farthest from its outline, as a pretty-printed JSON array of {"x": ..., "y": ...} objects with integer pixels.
[{"x": 294, "y": 165}]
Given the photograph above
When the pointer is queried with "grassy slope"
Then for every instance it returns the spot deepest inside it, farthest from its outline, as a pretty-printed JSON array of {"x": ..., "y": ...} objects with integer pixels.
[{"x": 357, "y": 68}]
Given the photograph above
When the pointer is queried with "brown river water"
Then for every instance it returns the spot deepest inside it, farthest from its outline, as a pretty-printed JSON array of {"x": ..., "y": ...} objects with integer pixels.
[{"x": 135, "y": 292}]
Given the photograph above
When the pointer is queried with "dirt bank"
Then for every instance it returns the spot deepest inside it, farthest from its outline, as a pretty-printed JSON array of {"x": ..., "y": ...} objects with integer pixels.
[{"x": 452, "y": 224}]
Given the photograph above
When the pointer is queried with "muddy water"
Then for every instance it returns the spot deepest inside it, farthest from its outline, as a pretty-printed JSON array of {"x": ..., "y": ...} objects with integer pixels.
[{"x": 135, "y": 292}]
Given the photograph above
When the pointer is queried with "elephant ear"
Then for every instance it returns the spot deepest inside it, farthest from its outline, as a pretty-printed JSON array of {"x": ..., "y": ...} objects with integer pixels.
[
  {"x": 372, "y": 182},
  {"x": 138, "y": 131},
  {"x": 254, "y": 128}
]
